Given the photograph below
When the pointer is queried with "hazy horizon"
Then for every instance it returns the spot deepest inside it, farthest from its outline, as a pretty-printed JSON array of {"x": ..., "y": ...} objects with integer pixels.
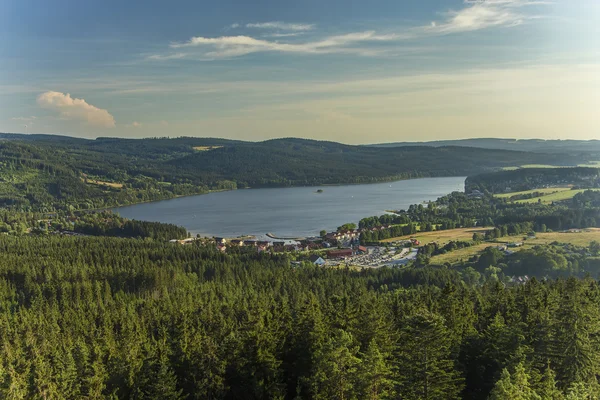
[{"x": 353, "y": 72}]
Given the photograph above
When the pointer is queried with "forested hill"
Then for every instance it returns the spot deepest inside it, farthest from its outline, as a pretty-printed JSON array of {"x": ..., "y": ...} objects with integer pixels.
[
  {"x": 46, "y": 172},
  {"x": 532, "y": 178},
  {"x": 532, "y": 145}
]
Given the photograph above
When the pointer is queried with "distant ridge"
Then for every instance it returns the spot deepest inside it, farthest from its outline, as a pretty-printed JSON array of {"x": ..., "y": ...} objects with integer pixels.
[{"x": 530, "y": 145}]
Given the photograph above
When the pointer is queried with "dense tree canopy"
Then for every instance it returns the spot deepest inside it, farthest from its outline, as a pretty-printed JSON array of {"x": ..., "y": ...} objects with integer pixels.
[{"x": 101, "y": 317}]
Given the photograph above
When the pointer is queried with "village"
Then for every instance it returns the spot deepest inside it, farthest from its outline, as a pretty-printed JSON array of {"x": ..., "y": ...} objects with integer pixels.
[{"x": 339, "y": 248}]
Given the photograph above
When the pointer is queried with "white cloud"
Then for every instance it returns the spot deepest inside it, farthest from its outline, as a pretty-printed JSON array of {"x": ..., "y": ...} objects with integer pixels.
[
  {"x": 231, "y": 46},
  {"x": 136, "y": 124},
  {"x": 480, "y": 14},
  {"x": 282, "y": 26},
  {"x": 475, "y": 15},
  {"x": 75, "y": 109},
  {"x": 280, "y": 35},
  {"x": 24, "y": 119},
  {"x": 160, "y": 57}
]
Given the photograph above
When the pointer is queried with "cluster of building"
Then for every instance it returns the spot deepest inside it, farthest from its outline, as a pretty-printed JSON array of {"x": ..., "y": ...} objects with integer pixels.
[{"x": 342, "y": 254}]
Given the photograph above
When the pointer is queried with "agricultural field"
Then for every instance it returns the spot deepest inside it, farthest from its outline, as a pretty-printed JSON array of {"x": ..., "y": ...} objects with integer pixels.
[
  {"x": 591, "y": 164},
  {"x": 576, "y": 237},
  {"x": 533, "y": 166},
  {"x": 549, "y": 194},
  {"x": 103, "y": 183},
  {"x": 581, "y": 237},
  {"x": 461, "y": 254},
  {"x": 441, "y": 237},
  {"x": 543, "y": 190},
  {"x": 556, "y": 196},
  {"x": 206, "y": 148}
]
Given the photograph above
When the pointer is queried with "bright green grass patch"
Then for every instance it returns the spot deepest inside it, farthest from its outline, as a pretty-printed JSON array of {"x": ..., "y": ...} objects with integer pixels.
[
  {"x": 543, "y": 166},
  {"x": 543, "y": 190},
  {"x": 591, "y": 164},
  {"x": 558, "y": 196}
]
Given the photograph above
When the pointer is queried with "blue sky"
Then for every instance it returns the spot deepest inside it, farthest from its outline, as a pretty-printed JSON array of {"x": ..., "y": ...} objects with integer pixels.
[{"x": 351, "y": 71}]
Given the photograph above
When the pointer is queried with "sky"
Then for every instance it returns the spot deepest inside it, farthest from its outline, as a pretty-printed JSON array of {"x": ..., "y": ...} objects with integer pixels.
[{"x": 344, "y": 70}]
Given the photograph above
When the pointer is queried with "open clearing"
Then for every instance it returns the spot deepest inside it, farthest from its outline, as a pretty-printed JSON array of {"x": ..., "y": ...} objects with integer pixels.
[
  {"x": 577, "y": 237},
  {"x": 206, "y": 148},
  {"x": 549, "y": 194},
  {"x": 557, "y": 196},
  {"x": 543, "y": 190},
  {"x": 536, "y": 166},
  {"x": 440, "y": 236},
  {"x": 102, "y": 183}
]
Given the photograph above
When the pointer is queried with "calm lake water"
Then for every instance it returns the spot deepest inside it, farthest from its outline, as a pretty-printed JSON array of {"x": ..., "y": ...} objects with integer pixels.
[{"x": 289, "y": 212}]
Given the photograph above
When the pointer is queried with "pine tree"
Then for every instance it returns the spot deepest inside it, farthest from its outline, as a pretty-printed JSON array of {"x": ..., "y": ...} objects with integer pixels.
[
  {"x": 578, "y": 336},
  {"x": 374, "y": 375},
  {"x": 514, "y": 387},
  {"x": 547, "y": 386},
  {"x": 157, "y": 380},
  {"x": 335, "y": 368},
  {"x": 425, "y": 367}
]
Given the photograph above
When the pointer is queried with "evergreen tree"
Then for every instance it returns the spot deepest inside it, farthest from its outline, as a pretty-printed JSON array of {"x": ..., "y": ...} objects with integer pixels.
[
  {"x": 514, "y": 387},
  {"x": 425, "y": 368},
  {"x": 374, "y": 375},
  {"x": 335, "y": 368}
]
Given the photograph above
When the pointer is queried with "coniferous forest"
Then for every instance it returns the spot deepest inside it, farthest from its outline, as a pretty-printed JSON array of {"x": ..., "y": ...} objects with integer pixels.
[
  {"x": 99, "y": 317},
  {"x": 95, "y": 306}
]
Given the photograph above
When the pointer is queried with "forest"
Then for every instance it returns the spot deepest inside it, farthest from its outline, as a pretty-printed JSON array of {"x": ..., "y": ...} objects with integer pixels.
[
  {"x": 57, "y": 173},
  {"x": 99, "y": 317},
  {"x": 532, "y": 178}
]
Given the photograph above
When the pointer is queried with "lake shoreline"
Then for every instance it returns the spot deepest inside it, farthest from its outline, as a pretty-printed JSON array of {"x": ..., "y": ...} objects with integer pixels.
[
  {"x": 266, "y": 187},
  {"x": 288, "y": 212}
]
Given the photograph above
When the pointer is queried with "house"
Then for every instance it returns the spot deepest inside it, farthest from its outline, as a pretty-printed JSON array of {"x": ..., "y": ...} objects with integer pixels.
[
  {"x": 220, "y": 240},
  {"x": 515, "y": 244},
  {"x": 316, "y": 259},
  {"x": 475, "y": 194},
  {"x": 250, "y": 242},
  {"x": 341, "y": 253},
  {"x": 237, "y": 242},
  {"x": 362, "y": 250}
]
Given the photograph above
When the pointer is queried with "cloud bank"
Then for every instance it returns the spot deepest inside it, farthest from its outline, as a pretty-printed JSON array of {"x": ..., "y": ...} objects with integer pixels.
[
  {"x": 281, "y": 26},
  {"x": 475, "y": 15},
  {"x": 480, "y": 14},
  {"x": 233, "y": 46},
  {"x": 75, "y": 109}
]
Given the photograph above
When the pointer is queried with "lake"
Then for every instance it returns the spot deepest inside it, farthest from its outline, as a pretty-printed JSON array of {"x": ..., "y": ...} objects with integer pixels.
[{"x": 289, "y": 212}]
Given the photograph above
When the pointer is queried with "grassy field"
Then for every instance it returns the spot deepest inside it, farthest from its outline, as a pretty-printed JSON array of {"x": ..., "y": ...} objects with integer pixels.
[
  {"x": 549, "y": 194},
  {"x": 581, "y": 238},
  {"x": 461, "y": 254},
  {"x": 206, "y": 148},
  {"x": 591, "y": 164},
  {"x": 533, "y": 166},
  {"x": 110, "y": 184},
  {"x": 441, "y": 236},
  {"x": 543, "y": 190},
  {"x": 557, "y": 196}
]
